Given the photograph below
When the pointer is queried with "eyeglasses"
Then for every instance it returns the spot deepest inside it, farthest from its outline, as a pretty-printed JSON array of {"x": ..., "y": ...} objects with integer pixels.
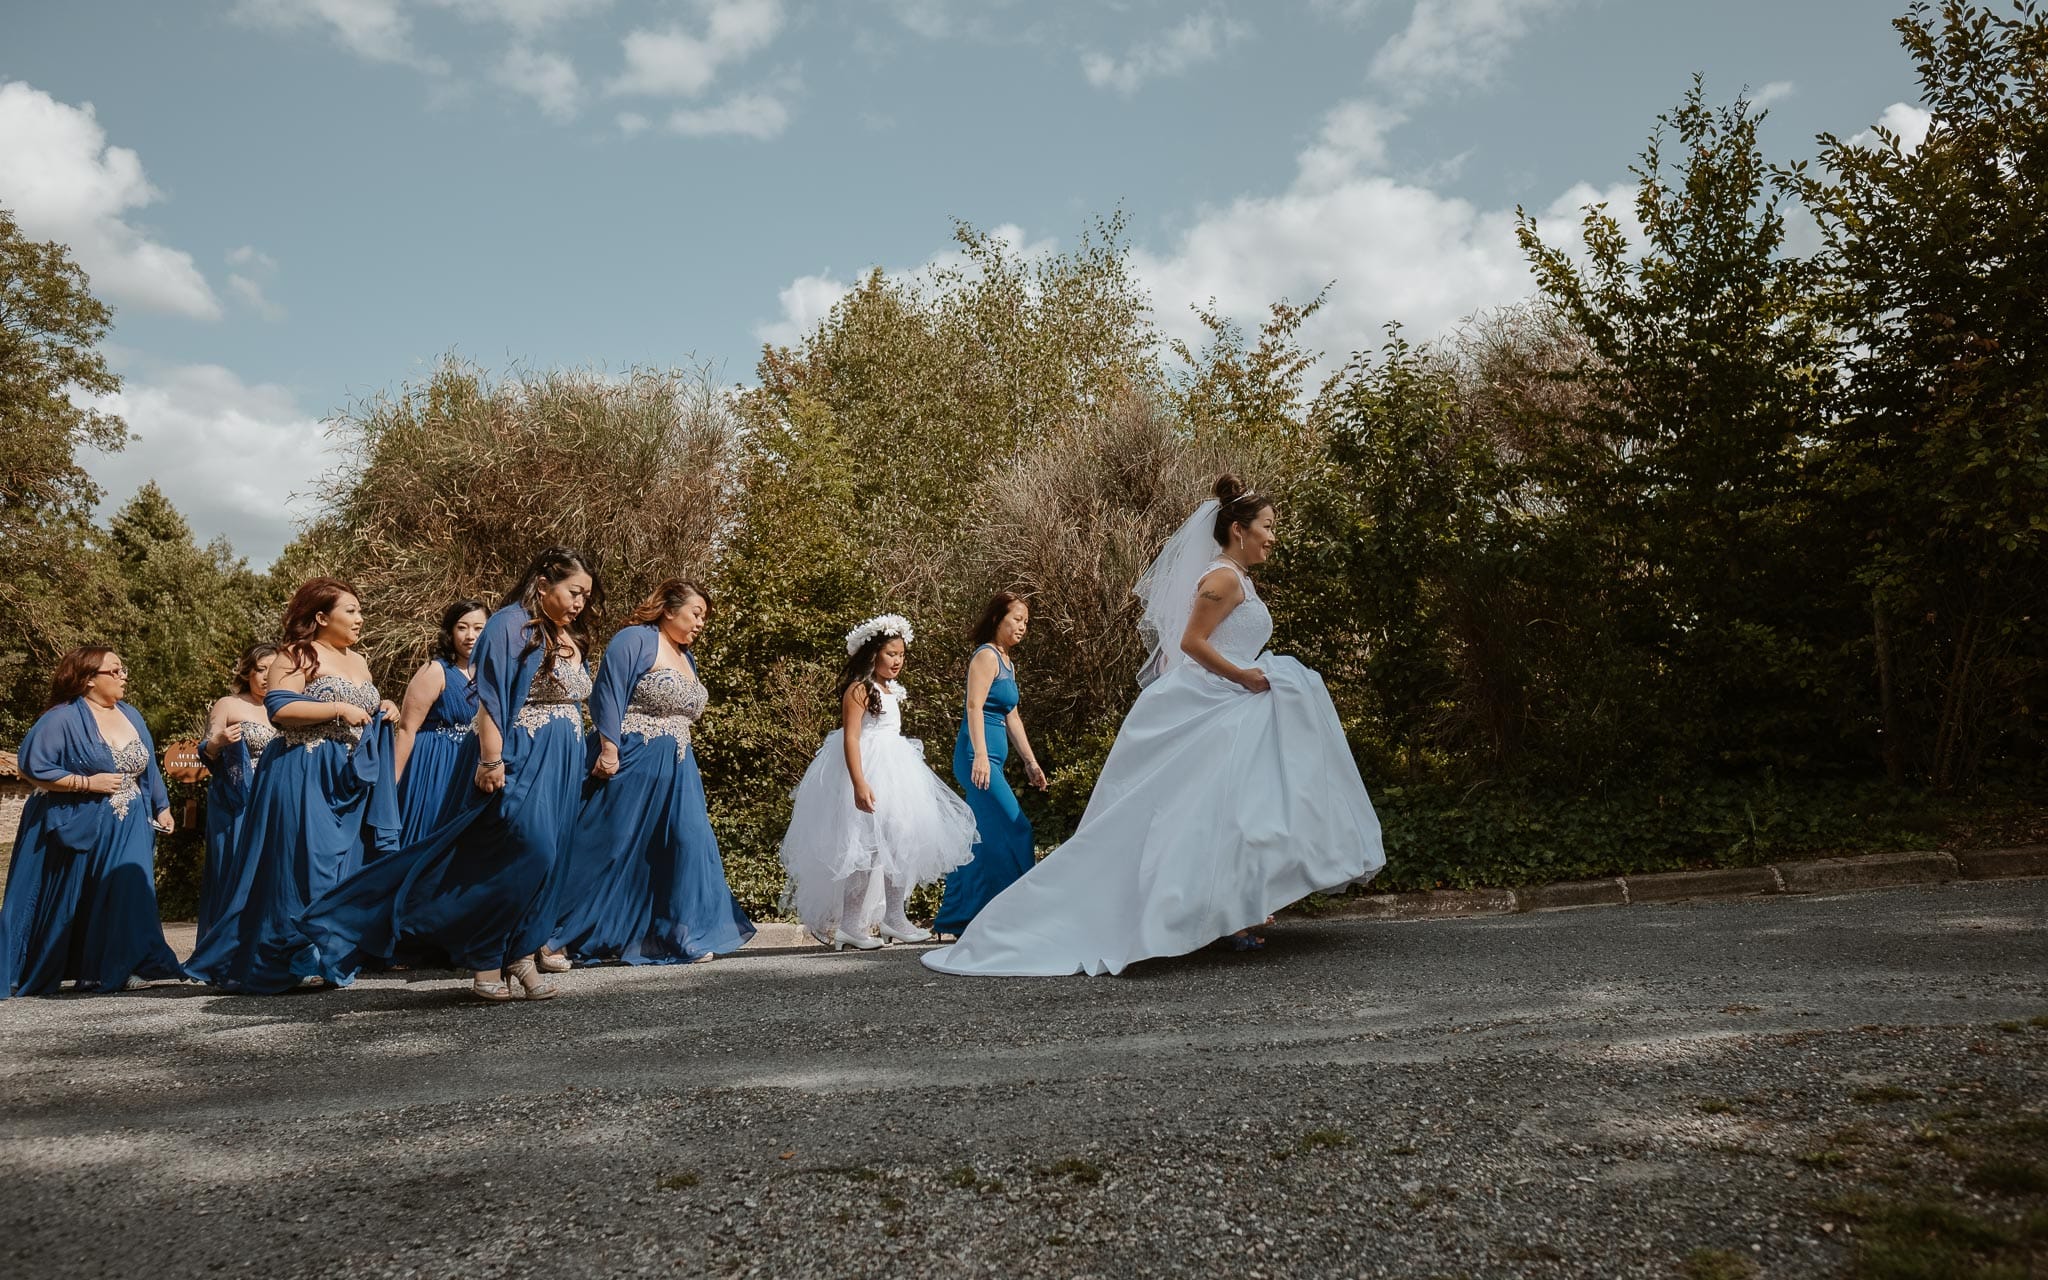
[{"x": 111, "y": 671}]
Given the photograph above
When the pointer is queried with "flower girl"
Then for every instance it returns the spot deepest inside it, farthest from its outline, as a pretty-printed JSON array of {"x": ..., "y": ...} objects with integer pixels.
[{"x": 871, "y": 821}]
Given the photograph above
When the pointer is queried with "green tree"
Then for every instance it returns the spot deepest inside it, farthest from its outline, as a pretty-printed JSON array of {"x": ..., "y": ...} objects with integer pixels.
[
  {"x": 190, "y": 611},
  {"x": 54, "y": 593},
  {"x": 1938, "y": 453},
  {"x": 1705, "y": 371}
]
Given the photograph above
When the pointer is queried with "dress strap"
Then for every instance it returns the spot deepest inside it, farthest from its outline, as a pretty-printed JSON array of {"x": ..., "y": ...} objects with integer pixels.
[{"x": 1003, "y": 666}]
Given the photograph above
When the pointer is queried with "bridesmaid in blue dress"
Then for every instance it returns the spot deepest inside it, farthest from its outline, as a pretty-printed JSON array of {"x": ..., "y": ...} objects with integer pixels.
[
  {"x": 81, "y": 891},
  {"x": 642, "y": 881},
  {"x": 989, "y": 730},
  {"x": 237, "y": 731},
  {"x": 323, "y": 797},
  {"x": 434, "y": 745},
  {"x": 477, "y": 892}
]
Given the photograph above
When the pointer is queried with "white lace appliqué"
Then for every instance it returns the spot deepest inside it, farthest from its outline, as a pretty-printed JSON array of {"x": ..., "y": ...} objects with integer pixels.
[
  {"x": 666, "y": 703},
  {"x": 332, "y": 689},
  {"x": 131, "y": 761},
  {"x": 558, "y": 693}
]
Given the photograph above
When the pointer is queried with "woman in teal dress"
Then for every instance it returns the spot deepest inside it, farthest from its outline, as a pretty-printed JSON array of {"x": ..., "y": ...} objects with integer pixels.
[
  {"x": 989, "y": 731},
  {"x": 237, "y": 730}
]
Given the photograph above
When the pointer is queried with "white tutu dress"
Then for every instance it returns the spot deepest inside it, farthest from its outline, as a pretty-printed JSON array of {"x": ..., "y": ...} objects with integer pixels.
[
  {"x": 1215, "y": 808},
  {"x": 918, "y": 832}
]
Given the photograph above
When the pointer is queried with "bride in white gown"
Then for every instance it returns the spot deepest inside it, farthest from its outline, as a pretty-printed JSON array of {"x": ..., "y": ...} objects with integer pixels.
[{"x": 1230, "y": 791}]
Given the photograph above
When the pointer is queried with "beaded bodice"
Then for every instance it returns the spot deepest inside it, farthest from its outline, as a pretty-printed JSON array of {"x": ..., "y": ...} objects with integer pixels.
[
  {"x": 558, "y": 692},
  {"x": 1244, "y": 631},
  {"x": 666, "y": 702},
  {"x": 256, "y": 735},
  {"x": 885, "y": 717},
  {"x": 332, "y": 689},
  {"x": 131, "y": 761}
]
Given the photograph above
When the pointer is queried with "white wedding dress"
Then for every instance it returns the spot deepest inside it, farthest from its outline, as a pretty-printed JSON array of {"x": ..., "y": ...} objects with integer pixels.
[{"x": 1215, "y": 808}]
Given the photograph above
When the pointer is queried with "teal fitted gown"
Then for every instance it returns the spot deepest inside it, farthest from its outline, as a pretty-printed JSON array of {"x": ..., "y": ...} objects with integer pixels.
[{"x": 1003, "y": 852}]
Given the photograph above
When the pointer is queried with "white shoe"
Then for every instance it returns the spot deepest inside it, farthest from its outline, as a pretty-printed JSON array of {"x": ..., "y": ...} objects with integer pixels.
[
  {"x": 866, "y": 942},
  {"x": 908, "y": 933}
]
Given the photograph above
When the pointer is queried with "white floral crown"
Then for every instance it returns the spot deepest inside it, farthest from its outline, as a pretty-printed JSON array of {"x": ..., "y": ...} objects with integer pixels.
[{"x": 887, "y": 624}]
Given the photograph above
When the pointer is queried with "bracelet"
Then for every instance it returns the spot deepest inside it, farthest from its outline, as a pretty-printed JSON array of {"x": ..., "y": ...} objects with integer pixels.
[{"x": 490, "y": 764}]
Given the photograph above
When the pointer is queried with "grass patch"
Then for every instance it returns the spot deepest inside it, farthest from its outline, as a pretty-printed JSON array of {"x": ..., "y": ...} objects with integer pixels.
[
  {"x": 1716, "y": 1106},
  {"x": 966, "y": 1179},
  {"x": 1716, "y": 1264},
  {"x": 2008, "y": 1176},
  {"x": 2039, "y": 1021},
  {"x": 1073, "y": 1169},
  {"x": 891, "y": 1204},
  {"x": 1873, "y": 1095},
  {"x": 1402, "y": 1151},
  {"x": 677, "y": 1181},
  {"x": 1822, "y": 1159},
  {"x": 2013, "y": 1028}
]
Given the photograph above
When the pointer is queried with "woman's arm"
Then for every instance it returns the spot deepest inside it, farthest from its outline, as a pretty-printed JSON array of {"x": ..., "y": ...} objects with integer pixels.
[
  {"x": 490, "y": 747},
  {"x": 1218, "y": 594},
  {"x": 1022, "y": 745},
  {"x": 308, "y": 711},
  {"x": 852, "y": 708},
  {"x": 981, "y": 673},
  {"x": 421, "y": 692},
  {"x": 221, "y": 732}
]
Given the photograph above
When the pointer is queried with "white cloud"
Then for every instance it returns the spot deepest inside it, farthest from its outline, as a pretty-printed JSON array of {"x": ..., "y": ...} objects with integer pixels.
[
  {"x": 63, "y": 182},
  {"x": 1455, "y": 40},
  {"x": 632, "y": 122},
  {"x": 230, "y": 454},
  {"x": 1199, "y": 39},
  {"x": 680, "y": 63},
  {"x": 1349, "y": 10},
  {"x": 1908, "y": 122},
  {"x": 808, "y": 299},
  {"x": 548, "y": 78},
  {"x": 744, "y": 115},
  {"x": 525, "y": 16},
  {"x": 932, "y": 19},
  {"x": 1775, "y": 91},
  {"x": 1353, "y": 137},
  {"x": 377, "y": 30},
  {"x": 805, "y": 301}
]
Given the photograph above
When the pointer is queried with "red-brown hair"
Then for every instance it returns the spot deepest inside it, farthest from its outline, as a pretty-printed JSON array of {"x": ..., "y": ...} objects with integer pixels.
[
  {"x": 75, "y": 671},
  {"x": 314, "y": 597},
  {"x": 671, "y": 595}
]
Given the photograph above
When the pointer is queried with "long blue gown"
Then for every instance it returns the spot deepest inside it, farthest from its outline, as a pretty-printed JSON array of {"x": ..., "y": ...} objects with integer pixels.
[
  {"x": 477, "y": 892},
  {"x": 442, "y": 765},
  {"x": 642, "y": 881},
  {"x": 323, "y": 797},
  {"x": 227, "y": 799},
  {"x": 1004, "y": 850},
  {"x": 81, "y": 890}
]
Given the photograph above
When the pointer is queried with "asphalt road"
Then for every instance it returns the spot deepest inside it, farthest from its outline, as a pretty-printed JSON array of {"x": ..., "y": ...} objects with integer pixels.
[{"x": 1524, "y": 1095}]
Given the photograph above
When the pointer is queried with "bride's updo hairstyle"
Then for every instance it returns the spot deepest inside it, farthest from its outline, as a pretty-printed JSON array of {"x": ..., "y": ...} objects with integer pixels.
[{"x": 1235, "y": 505}]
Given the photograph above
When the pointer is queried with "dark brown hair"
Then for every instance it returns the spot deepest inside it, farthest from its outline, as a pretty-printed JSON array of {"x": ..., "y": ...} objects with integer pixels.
[
  {"x": 984, "y": 631},
  {"x": 74, "y": 673},
  {"x": 314, "y": 597},
  {"x": 444, "y": 639},
  {"x": 547, "y": 569},
  {"x": 671, "y": 595},
  {"x": 252, "y": 658},
  {"x": 1235, "y": 505}
]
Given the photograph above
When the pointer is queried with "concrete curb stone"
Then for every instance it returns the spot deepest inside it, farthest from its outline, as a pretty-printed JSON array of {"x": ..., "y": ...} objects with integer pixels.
[
  {"x": 1427, "y": 904},
  {"x": 1567, "y": 894},
  {"x": 1999, "y": 864},
  {"x": 1870, "y": 871},
  {"x": 1720, "y": 882}
]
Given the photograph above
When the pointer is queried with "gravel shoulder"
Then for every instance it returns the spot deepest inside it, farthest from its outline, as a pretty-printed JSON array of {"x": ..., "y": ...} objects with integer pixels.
[{"x": 1622, "y": 1093}]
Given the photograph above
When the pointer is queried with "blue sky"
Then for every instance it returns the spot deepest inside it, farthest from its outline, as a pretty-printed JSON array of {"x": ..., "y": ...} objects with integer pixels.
[{"x": 296, "y": 203}]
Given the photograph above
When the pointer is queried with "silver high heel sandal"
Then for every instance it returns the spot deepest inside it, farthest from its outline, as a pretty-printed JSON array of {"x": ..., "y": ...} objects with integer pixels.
[
  {"x": 865, "y": 942},
  {"x": 913, "y": 934},
  {"x": 524, "y": 982}
]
